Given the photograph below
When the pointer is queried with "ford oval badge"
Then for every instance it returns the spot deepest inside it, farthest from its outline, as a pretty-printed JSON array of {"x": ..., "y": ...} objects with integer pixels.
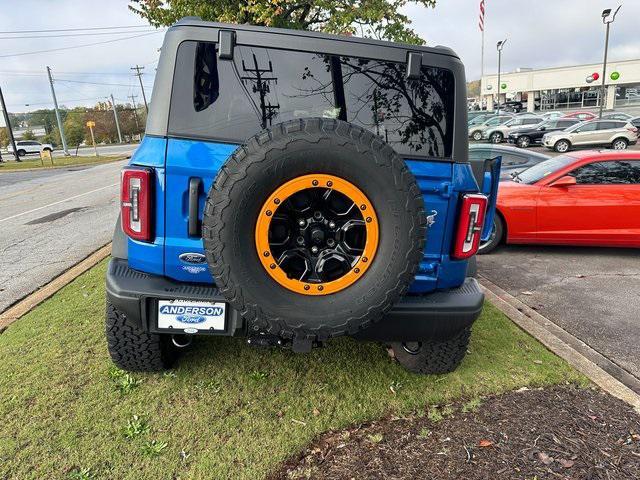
[{"x": 193, "y": 258}]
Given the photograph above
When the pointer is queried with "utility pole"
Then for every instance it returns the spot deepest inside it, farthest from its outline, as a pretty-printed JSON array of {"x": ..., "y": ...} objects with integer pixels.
[
  {"x": 135, "y": 111},
  {"x": 55, "y": 105},
  {"x": 138, "y": 74},
  {"x": 499, "y": 46},
  {"x": 607, "y": 19},
  {"x": 8, "y": 125},
  {"x": 115, "y": 115}
]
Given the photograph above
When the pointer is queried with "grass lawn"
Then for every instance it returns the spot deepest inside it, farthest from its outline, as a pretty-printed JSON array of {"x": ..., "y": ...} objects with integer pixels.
[
  {"x": 228, "y": 410},
  {"x": 34, "y": 162}
]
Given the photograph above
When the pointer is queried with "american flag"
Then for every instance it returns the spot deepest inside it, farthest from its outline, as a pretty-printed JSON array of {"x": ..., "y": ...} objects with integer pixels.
[{"x": 481, "y": 21}]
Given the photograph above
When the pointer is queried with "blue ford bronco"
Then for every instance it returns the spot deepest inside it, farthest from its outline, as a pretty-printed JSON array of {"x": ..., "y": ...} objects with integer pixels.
[{"x": 293, "y": 187}]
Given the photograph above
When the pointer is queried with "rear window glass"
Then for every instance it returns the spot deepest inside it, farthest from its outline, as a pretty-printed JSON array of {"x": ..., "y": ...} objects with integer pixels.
[{"x": 231, "y": 100}]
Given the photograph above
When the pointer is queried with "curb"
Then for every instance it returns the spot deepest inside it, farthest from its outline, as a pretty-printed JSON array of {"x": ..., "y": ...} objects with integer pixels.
[
  {"x": 19, "y": 309},
  {"x": 584, "y": 359},
  {"x": 60, "y": 167}
]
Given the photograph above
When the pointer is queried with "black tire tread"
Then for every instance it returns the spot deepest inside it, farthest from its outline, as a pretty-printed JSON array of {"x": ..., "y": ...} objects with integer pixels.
[
  {"x": 435, "y": 356},
  {"x": 235, "y": 170},
  {"x": 133, "y": 349}
]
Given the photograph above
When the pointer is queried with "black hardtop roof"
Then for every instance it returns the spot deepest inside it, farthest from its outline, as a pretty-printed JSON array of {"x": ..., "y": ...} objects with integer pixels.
[{"x": 198, "y": 22}]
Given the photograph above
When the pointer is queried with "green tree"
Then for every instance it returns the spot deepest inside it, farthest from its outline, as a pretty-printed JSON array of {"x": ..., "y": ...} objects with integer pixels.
[
  {"x": 74, "y": 128},
  {"x": 28, "y": 135},
  {"x": 381, "y": 19},
  {"x": 4, "y": 137}
]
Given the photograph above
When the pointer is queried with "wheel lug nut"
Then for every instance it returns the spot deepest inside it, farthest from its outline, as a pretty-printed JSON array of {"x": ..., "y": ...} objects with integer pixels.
[
  {"x": 314, "y": 249},
  {"x": 266, "y": 254},
  {"x": 272, "y": 266},
  {"x": 302, "y": 223},
  {"x": 369, "y": 219},
  {"x": 363, "y": 207},
  {"x": 332, "y": 224}
]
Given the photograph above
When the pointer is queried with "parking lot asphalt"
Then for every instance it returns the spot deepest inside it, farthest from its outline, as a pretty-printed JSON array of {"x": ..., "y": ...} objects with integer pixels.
[
  {"x": 593, "y": 293},
  {"x": 50, "y": 220}
]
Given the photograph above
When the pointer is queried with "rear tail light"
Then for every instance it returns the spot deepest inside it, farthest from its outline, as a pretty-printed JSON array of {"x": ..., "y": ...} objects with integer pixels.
[
  {"x": 633, "y": 130},
  {"x": 136, "y": 202},
  {"x": 470, "y": 225}
]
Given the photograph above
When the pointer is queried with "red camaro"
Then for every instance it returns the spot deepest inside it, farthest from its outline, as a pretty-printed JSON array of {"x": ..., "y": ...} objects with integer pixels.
[
  {"x": 581, "y": 115},
  {"x": 581, "y": 198}
]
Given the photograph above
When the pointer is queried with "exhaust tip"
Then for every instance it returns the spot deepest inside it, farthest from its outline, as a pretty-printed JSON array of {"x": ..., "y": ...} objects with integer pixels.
[{"x": 181, "y": 341}]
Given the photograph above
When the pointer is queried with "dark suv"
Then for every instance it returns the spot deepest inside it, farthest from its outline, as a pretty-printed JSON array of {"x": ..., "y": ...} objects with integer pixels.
[
  {"x": 533, "y": 136},
  {"x": 293, "y": 187}
]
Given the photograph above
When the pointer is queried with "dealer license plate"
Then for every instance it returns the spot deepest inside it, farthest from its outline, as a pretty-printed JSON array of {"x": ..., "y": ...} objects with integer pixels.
[{"x": 191, "y": 316}]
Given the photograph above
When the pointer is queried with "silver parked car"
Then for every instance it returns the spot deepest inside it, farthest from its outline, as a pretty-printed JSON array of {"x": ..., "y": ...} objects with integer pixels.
[
  {"x": 476, "y": 131},
  {"x": 499, "y": 133},
  {"x": 617, "y": 134}
]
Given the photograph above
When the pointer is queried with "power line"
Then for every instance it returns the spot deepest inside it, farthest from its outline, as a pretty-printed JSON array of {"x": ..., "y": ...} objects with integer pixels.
[
  {"x": 79, "y": 46},
  {"x": 93, "y": 34},
  {"x": 96, "y": 83},
  {"x": 75, "y": 29}
]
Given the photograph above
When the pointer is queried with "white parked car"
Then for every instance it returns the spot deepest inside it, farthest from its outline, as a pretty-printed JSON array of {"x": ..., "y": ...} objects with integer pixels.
[{"x": 25, "y": 147}]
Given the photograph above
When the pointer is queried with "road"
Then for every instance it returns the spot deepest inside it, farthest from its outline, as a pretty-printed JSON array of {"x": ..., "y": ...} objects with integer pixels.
[
  {"x": 126, "y": 149},
  {"x": 50, "y": 220},
  {"x": 593, "y": 293}
]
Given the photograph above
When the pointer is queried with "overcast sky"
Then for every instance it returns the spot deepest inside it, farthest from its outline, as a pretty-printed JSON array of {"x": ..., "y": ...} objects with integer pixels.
[{"x": 541, "y": 33}]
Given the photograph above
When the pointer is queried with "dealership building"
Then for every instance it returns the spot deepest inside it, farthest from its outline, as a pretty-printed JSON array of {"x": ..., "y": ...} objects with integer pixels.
[{"x": 563, "y": 88}]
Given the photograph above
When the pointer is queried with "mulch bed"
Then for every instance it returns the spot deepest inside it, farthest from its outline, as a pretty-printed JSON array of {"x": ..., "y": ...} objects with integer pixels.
[{"x": 557, "y": 433}]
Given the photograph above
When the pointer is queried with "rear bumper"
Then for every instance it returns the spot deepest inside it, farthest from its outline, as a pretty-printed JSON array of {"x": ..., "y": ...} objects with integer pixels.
[{"x": 415, "y": 317}]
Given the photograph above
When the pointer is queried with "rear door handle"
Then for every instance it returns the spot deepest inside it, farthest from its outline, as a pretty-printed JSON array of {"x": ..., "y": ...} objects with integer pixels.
[{"x": 194, "y": 199}]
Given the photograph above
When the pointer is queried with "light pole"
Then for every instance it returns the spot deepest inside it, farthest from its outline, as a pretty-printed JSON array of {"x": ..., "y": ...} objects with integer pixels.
[
  {"x": 607, "y": 19},
  {"x": 499, "y": 46}
]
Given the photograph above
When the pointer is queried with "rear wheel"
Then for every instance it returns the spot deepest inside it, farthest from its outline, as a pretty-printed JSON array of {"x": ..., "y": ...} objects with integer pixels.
[
  {"x": 523, "y": 141},
  {"x": 497, "y": 232},
  {"x": 496, "y": 137},
  {"x": 477, "y": 136},
  {"x": 619, "y": 144},
  {"x": 133, "y": 349},
  {"x": 433, "y": 356},
  {"x": 22, "y": 153},
  {"x": 562, "y": 146}
]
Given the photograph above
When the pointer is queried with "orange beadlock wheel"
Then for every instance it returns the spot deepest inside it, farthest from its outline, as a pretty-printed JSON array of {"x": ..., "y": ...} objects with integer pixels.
[{"x": 317, "y": 234}]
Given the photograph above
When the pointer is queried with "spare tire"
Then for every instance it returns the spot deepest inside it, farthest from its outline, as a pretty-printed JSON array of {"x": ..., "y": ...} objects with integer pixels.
[{"x": 313, "y": 229}]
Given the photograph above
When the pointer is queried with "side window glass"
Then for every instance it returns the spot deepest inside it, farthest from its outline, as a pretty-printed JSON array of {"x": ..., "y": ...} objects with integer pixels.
[
  {"x": 608, "y": 173},
  {"x": 205, "y": 78},
  {"x": 621, "y": 172},
  {"x": 589, "y": 127},
  {"x": 590, "y": 174}
]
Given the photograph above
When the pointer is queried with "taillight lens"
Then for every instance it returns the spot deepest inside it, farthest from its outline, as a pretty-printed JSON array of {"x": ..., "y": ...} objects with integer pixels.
[
  {"x": 470, "y": 223},
  {"x": 136, "y": 202}
]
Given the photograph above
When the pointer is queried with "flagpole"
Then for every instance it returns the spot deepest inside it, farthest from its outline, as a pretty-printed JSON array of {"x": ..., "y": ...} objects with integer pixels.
[
  {"x": 482, "y": 26},
  {"x": 482, "y": 56}
]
